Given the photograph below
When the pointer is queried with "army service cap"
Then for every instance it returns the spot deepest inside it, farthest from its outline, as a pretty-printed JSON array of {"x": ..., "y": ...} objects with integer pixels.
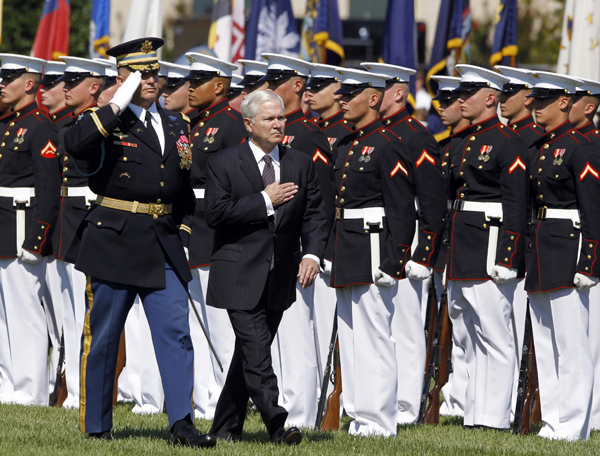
[
  {"x": 79, "y": 68},
  {"x": 447, "y": 86},
  {"x": 549, "y": 85},
  {"x": 207, "y": 67},
  {"x": 354, "y": 81},
  {"x": 520, "y": 78},
  {"x": 474, "y": 78},
  {"x": 322, "y": 75},
  {"x": 284, "y": 67},
  {"x": 254, "y": 70},
  {"x": 14, "y": 65},
  {"x": 394, "y": 73},
  {"x": 52, "y": 71},
  {"x": 138, "y": 55}
]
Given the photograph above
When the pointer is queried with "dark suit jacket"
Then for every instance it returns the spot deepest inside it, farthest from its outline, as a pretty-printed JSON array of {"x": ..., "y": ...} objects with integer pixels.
[
  {"x": 245, "y": 238},
  {"x": 121, "y": 246}
]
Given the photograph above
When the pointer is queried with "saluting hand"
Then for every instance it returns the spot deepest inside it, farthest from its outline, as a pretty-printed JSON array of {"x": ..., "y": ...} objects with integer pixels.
[
  {"x": 307, "y": 272},
  {"x": 281, "y": 193}
]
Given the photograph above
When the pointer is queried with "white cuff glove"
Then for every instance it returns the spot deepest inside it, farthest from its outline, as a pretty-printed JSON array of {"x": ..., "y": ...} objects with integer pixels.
[
  {"x": 29, "y": 257},
  {"x": 502, "y": 274},
  {"x": 583, "y": 282},
  {"x": 124, "y": 94},
  {"x": 383, "y": 280},
  {"x": 416, "y": 271},
  {"x": 187, "y": 253},
  {"x": 327, "y": 267}
]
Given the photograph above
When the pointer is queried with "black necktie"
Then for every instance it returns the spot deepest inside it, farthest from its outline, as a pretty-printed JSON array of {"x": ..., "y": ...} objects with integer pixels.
[
  {"x": 151, "y": 129},
  {"x": 268, "y": 177}
]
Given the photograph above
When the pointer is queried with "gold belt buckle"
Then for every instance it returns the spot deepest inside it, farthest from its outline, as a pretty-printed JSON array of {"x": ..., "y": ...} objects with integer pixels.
[
  {"x": 339, "y": 213},
  {"x": 542, "y": 212},
  {"x": 64, "y": 191},
  {"x": 156, "y": 210}
]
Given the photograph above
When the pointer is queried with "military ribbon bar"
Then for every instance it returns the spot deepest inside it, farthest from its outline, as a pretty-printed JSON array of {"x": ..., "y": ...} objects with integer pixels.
[
  {"x": 331, "y": 141},
  {"x": 211, "y": 131},
  {"x": 486, "y": 149},
  {"x": 287, "y": 140}
]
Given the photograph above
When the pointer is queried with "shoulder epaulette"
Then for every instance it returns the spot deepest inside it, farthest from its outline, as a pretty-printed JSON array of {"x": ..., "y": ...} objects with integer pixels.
[
  {"x": 92, "y": 109},
  {"x": 184, "y": 117}
]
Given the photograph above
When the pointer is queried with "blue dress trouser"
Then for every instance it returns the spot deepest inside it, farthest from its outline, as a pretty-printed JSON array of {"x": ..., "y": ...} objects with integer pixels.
[{"x": 108, "y": 304}]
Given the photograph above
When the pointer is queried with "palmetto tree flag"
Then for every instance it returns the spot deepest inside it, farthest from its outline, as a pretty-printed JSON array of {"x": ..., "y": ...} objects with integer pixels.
[
  {"x": 226, "y": 35},
  {"x": 271, "y": 28}
]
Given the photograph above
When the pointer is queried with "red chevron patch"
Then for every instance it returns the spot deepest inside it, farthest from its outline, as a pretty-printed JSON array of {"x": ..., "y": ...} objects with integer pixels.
[
  {"x": 517, "y": 164},
  {"x": 49, "y": 150},
  {"x": 319, "y": 156},
  {"x": 588, "y": 170},
  {"x": 425, "y": 157},
  {"x": 397, "y": 168}
]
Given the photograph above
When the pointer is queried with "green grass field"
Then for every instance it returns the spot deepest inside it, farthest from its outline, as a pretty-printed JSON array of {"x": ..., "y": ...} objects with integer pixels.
[{"x": 48, "y": 431}]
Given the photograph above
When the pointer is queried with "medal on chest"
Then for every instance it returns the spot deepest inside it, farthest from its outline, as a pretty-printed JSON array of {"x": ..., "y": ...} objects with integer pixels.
[
  {"x": 210, "y": 135},
  {"x": 558, "y": 153},
  {"x": 366, "y": 154},
  {"x": 287, "y": 141},
  {"x": 20, "y": 135},
  {"x": 185, "y": 153},
  {"x": 485, "y": 153}
]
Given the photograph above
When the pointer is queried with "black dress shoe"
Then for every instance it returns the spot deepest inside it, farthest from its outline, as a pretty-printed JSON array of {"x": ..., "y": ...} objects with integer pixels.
[
  {"x": 292, "y": 436},
  {"x": 188, "y": 435},
  {"x": 106, "y": 435}
]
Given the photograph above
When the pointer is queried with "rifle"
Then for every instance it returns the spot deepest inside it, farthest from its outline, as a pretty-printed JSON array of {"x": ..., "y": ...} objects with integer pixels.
[
  {"x": 59, "y": 394},
  {"x": 528, "y": 384},
  {"x": 331, "y": 421},
  {"x": 430, "y": 321},
  {"x": 333, "y": 346}
]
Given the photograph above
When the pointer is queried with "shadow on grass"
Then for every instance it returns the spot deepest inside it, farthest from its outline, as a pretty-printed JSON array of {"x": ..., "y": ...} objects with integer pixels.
[
  {"x": 159, "y": 434},
  {"x": 307, "y": 436}
]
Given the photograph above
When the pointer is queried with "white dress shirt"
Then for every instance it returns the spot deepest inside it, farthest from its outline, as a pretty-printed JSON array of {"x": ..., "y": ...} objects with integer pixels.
[
  {"x": 274, "y": 154},
  {"x": 140, "y": 113}
]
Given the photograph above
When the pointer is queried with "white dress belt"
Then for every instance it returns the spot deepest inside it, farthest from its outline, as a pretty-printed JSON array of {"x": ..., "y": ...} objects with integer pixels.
[
  {"x": 199, "y": 192},
  {"x": 21, "y": 198}
]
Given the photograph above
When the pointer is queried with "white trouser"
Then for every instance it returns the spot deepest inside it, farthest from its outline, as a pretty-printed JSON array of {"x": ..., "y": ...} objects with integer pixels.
[
  {"x": 368, "y": 356},
  {"x": 485, "y": 309},
  {"x": 594, "y": 333},
  {"x": 455, "y": 388},
  {"x": 295, "y": 361},
  {"x": 565, "y": 371},
  {"x": 23, "y": 333},
  {"x": 409, "y": 335},
  {"x": 73, "y": 311},
  {"x": 142, "y": 367},
  {"x": 518, "y": 327},
  {"x": 208, "y": 378},
  {"x": 54, "y": 319}
]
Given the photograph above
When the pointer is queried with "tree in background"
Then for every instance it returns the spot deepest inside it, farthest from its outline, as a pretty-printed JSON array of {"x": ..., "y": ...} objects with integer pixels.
[{"x": 21, "y": 18}]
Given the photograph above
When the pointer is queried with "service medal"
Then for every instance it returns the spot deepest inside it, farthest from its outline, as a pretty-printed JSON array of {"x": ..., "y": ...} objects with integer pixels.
[
  {"x": 20, "y": 136},
  {"x": 558, "y": 153},
  {"x": 361, "y": 158},
  {"x": 486, "y": 158},
  {"x": 367, "y": 158},
  {"x": 185, "y": 153},
  {"x": 209, "y": 139}
]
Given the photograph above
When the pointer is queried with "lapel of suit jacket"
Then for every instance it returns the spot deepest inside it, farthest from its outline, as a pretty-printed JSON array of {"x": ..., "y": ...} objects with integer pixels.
[
  {"x": 286, "y": 174},
  {"x": 250, "y": 169},
  {"x": 172, "y": 134},
  {"x": 137, "y": 128}
]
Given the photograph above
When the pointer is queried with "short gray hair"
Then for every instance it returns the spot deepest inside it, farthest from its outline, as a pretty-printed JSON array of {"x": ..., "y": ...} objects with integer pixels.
[{"x": 253, "y": 100}]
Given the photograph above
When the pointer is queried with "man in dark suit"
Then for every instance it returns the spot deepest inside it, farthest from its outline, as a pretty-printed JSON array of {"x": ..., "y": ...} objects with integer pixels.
[
  {"x": 259, "y": 223},
  {"x": 131, "y": 242}
]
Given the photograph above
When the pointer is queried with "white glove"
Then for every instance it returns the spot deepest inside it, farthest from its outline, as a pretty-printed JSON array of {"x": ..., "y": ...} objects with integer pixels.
[
  {"x": 29, "y": 257},
  {"x": 124, "y": 94},
  {"x": 327, "y": 267},
  {"x": 502, "y": 274},
  {"x": 384, "y": 280},
  {"x": 583, "y": 282},
  {"x": 187, "y": 253},
  {"x": 416, "y": 271}
]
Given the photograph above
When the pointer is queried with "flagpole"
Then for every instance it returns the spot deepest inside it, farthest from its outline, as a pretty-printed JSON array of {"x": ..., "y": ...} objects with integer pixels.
[{"x": 1, "y": 18}]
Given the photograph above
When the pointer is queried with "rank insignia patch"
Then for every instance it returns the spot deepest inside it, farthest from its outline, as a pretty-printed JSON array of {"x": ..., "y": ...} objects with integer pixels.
[
  {"x": 518, "y": 163},
  {"x": 588, "y": 170},
  {"x": 319, "y": 156},
  {"x": 397, "y": 168},
  {"x": 49, "y": 150},
  {"x": 185, "y": 153},
  {"x": 425, "y": 157}
]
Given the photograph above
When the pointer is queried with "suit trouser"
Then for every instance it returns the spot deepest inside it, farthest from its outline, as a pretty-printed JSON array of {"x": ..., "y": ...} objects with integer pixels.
[
  {"x": 295, "y": 361},
  {"x": 142, "y": 372},
  {"x": 485, "y": 309},
  {"x": 23, "y": 333},
  {"x": 251, "y": 373},
  {"x": 559, "y": 320},
  {"x": 53, "y": 306},
  {"x": 167, "y": 311},
  {"x": 208, "y": 378},
  {"x": 455, "y": 388},
  {"x": 594, "y": 335},
  {"x": 368, "y": 356}
]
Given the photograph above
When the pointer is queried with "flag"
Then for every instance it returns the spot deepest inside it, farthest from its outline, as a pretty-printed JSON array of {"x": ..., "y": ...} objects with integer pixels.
[
  {"x": 579, "y": 53},
  {"x": 271, "y": 28},
  {"x": 454, "y": 16},
  {"x": 99, "y": 29},
  {"x": 52, "y": 37},
  {"x": 226, "y": 34},
  {"x": 322, "y": 33},
  {"x": 144, "y": 19},
  {"x": 399, "y": 37},
  {"x": 504, "y": 47}
]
